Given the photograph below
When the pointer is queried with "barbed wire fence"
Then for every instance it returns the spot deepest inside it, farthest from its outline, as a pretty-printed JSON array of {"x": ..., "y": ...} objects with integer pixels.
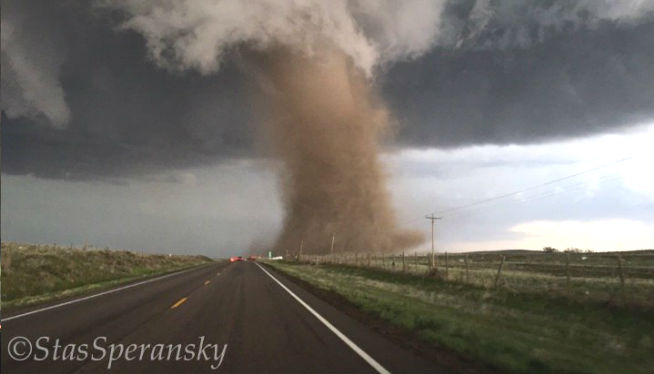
[{"x": 613, "y": 277}]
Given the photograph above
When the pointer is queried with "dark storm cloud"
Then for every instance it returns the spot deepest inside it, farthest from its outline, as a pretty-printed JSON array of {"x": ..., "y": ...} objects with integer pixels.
[
  {"x": 127, "y": 116},
  {"x": 573, "y": 84},
  {"x": 497, "y": 74}
]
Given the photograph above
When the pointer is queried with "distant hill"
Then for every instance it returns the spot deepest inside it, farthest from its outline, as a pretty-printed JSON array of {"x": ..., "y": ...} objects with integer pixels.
[{"x": 530, "y": 251}]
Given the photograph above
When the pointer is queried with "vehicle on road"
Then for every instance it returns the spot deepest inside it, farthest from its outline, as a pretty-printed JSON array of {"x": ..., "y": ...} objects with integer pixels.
[
  {"x": 252, "y": 258},
  {"x": 236, "y": 258}
]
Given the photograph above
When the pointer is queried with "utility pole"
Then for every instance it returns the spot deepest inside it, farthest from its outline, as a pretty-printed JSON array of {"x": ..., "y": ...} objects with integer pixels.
[
  {"x": 332, "y": 249},
  {"x": 299, "y": 256},
  {"x": 432, "y": 218}
]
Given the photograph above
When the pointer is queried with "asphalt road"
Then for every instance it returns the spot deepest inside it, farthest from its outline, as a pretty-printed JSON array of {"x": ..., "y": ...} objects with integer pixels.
[{"x": 265, "y": 327}]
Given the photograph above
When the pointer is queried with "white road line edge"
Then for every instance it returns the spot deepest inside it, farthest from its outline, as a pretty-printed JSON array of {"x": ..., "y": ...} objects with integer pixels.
[
  {"x": 371, "y": 361},
  {"x": 95, "y": 295}
]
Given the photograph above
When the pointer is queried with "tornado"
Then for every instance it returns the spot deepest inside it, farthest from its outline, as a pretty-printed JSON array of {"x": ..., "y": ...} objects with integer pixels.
[
  {"x": 325, "y": 123},
  {"x": 319, "y": 112}
]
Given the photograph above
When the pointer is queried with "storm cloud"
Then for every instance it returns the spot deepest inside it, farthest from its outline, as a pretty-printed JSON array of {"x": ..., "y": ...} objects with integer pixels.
[{"x": 84, "y": 98}]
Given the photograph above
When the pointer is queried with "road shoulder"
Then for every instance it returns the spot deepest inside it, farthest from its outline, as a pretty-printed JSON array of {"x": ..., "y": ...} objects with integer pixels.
[{"x": 390, "y": 347}]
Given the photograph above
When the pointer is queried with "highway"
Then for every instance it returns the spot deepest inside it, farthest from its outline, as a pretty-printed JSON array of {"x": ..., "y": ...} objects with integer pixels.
[{"x": 269, "y": 324}]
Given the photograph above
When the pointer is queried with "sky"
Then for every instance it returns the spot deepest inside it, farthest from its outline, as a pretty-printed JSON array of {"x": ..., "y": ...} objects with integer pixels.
[{"x": 117, "y": 134}]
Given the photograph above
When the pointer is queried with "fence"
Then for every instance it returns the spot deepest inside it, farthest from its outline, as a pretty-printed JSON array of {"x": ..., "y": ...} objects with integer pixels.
[{"x": 615, "y": 277}]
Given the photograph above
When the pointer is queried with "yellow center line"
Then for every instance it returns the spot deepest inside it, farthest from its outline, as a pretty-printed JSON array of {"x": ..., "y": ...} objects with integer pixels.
[
  {"x": 180, "y": 302},
  {"x": 207, "y": 282}
]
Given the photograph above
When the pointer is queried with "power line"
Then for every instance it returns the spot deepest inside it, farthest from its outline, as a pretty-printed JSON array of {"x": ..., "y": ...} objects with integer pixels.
[
  {"x": 575, "y": 187},
  {"x": 432, "y": 218},
  {"x": 553, "y": 181}
]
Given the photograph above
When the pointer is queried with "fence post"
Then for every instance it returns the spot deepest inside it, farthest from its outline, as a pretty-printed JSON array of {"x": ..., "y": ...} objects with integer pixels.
[
  {"x": 446, "y": 267},
  {"x": 467, "y": 275},
  {"x": 621, "y": 274},
  {"x": 403, "y": 263},
  {"x": 499, "y": 272},
  {"x": 567, "y": 273}
]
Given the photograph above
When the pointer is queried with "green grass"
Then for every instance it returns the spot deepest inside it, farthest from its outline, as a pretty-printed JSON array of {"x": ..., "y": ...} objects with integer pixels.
[
  {"x": 593, "y": 277},
  {"x": 509, "y": 330},
  {"x": 33, "y": 274}
]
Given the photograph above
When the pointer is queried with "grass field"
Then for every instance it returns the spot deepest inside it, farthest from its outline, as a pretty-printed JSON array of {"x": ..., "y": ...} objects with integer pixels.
[
  {"x": 617, "y": 278},
  {"x": 504, "y": 327},
  {"x": 33, "y": 274}
]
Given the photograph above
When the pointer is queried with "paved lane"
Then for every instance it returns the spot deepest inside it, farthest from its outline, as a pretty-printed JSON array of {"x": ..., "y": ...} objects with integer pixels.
[{"x": 265, "y": 328}]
